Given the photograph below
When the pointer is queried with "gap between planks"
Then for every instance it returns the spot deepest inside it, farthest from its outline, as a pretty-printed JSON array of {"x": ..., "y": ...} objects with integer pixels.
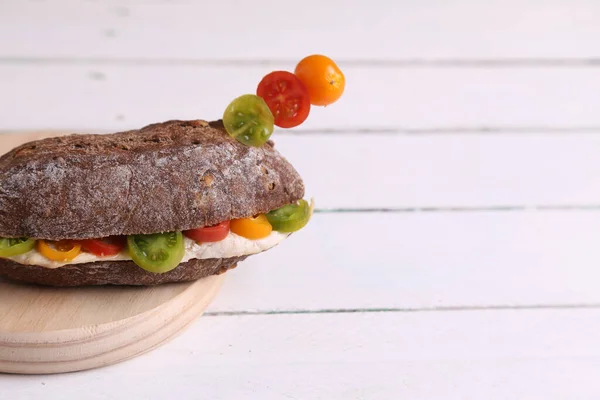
[
  {"x": 492, "y": 208},
  {"x": 406, "y": 309},
  {"x": 394, "y": 63},
  {"x": 451, "y": 130},
  {"x": 400, "y": 131}
]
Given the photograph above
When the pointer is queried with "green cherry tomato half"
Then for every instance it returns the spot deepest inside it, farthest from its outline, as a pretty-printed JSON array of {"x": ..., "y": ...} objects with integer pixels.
[
  {"x": 158, "y": 252},
  {"x": 249, "y": 120},
  {"x": 14, "y": 246},
  {"x": 290, "y": 218}
]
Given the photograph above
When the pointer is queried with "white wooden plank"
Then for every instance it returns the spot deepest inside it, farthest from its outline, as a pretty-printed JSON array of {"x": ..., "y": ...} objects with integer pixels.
[
  {"x": 377, "y": 171},
  {"x": 466, "y": 355},
  {"x": 107, "y": 97},
  {"x": 423, "y": 260},
  {"x": 460, "y": 170},
  {"x": 265, "y": 29}
]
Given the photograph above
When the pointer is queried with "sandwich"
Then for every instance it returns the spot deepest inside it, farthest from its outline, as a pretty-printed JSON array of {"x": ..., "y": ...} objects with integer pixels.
[{"x": 171, "y": 202}]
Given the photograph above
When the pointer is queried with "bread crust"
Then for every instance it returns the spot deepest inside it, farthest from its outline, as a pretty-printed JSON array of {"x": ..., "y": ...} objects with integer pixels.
[
  {"x": 114, "y": 272},
  {"x": 170, "y": 176}
]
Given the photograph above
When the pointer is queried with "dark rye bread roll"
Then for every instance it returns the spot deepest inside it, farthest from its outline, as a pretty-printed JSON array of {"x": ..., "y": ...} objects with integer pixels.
[{"x": 171, "y": 176}]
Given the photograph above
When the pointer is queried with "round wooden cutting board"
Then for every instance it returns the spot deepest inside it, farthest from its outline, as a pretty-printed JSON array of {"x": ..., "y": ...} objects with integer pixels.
[
  {"x": 51, "y": 330},
  {"x": 45, "y": 330}
]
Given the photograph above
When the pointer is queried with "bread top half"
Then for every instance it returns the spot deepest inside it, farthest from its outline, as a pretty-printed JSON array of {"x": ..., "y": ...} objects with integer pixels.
[{"x": 170, "y": 176}]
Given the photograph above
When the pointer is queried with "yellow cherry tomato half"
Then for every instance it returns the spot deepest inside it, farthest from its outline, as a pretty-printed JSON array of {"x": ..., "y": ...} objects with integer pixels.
[
  {"x": 252, "y": 228},
  {"x": 323, "y": 79},
  {"x": 63, "y": 250}
]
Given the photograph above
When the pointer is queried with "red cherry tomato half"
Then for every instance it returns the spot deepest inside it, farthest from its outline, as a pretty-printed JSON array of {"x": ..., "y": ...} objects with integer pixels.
[
  {"x": 103, "y": 247},
  {"x": 209, "y": 233},
  {"x": 286, "y": 96}
]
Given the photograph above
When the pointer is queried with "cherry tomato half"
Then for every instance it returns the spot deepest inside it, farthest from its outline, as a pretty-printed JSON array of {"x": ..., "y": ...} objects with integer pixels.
[
  {"x": 63, "y": 250},
  {"x": 157, "y": 252},
  {"x": 249, "y": 120},
  {"x": 252, "y": 228},
  {"x": 290, "y": 218},
  {"x": 323, "y": 79},
  {"x": 14, "y": 246},
  {"x": 209, "y": 233},
  {"x": 104, "y": 247},
  {"x": 286, "y": 97}
]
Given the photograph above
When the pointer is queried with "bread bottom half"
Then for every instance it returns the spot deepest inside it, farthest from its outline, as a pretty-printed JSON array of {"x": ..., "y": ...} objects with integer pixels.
[{"x": 114, "y": 272}]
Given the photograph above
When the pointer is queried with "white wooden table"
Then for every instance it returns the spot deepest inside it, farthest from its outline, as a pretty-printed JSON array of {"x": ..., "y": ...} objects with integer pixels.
[{"x": 457, "y": 251}]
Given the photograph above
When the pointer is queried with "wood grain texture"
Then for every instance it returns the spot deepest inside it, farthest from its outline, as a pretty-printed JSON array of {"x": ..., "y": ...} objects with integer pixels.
[
  {"x": 379, "y": 29},
  {"x": 47, "y": 330},
  {"x": 543, "y": 354},
  {"x": 118, "y": 97}
]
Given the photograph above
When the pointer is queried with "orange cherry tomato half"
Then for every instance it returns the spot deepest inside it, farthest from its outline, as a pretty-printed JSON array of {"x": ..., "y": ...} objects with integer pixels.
[
  {"x": 252, "y": 228},
  {"x": 323, "y": 79},
  {"x": 214, "y": 233},
  {"x": 104, "y": 247},
  {"x": 63, "y": 250},
  {"x": 286, "y": 97}
]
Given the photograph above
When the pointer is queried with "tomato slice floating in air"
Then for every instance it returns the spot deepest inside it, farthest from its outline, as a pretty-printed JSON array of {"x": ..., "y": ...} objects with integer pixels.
[
  {"x": 290, "y": 218},
  {"x": 287, "y": 98},
  {"x": 157, "y": 252},
  {"x": 252, "y": 228},
  {"x": 323, "y": 79},
  {"x": 62, "y": 250},
  {"x": 249, "y": 120},
  {"x": 209, "y": 233},
  {"x": 14, "y": 246},
  {"x": 104, "y": 247}
]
